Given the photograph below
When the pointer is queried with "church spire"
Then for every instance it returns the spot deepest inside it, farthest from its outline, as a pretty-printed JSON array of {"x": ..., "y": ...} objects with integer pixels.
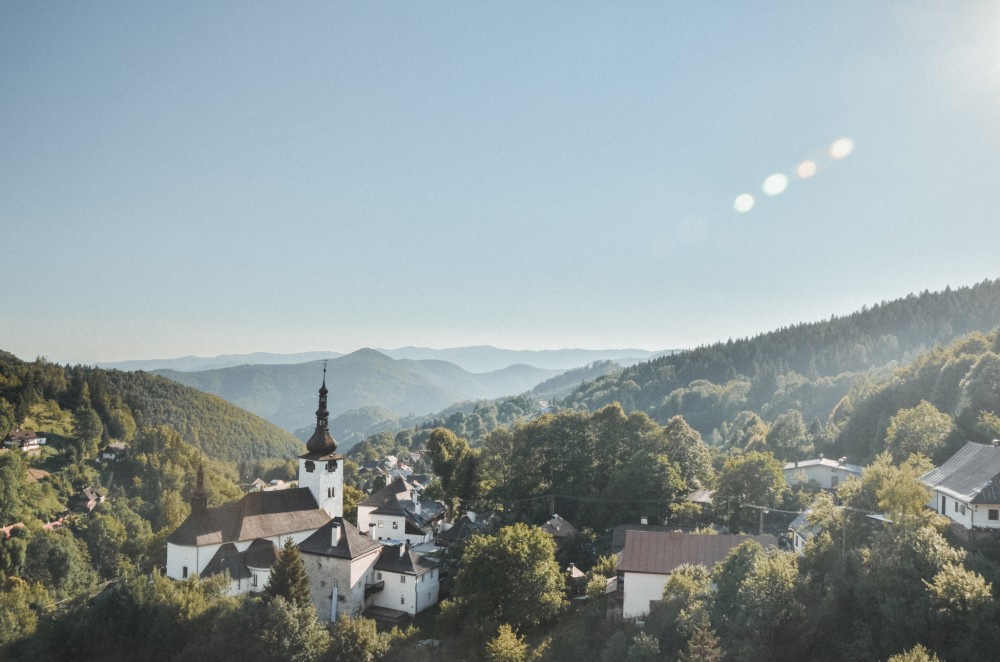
[
  {"x": 199, "y": 498},
  {"x": 321, "y": 441}
]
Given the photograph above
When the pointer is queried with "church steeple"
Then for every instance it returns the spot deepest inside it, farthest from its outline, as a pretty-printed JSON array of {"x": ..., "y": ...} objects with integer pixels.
[
  {"x": 199, "y": 499},
  {"x": 321, "y": 442}
]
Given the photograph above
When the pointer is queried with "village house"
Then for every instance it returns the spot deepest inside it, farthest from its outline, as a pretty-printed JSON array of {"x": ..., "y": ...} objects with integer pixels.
[
  {"x": 650, "y": 556},
  {"x": 824, "y": 473},
  {"x": 399, "y": 513},
  {"x": 560, "y": 530},
  {"x": 463, "y": 528},
  {"x": 115, "y": 451},
  {"x": 86, "y": 499},
  {"x": 412, "y": 581},
  {"x": 27, "y": 441},
  {"x": 966, "y": 488},
  {"x": 802, "y": 531}
]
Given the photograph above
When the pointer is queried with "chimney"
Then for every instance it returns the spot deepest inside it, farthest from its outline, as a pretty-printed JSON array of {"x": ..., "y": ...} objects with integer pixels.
[
  {"x": 335, "y": 534},
  {"x": 821, "y": 456},
  {"x": 643, "y": 520},
  {"x": 403, "y": 549},
  {"x": 843, "y": 460},
  {"x": 471, "y": 515}
]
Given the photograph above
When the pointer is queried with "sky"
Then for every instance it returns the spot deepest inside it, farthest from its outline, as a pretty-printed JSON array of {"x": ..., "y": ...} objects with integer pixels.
[{"x": 193, "y": 178}]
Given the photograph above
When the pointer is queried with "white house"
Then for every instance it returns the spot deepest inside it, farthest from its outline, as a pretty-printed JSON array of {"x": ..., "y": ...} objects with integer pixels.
[
  {"x": 399, "y": 513},
  {"x": 27, "y": 441},
  {"x": 825, "y": 473},
  {"x": 234, "y": 537},
  {"x": 802, "y": 531},
  {"x": 650, "y": 556},
  {"x": 966, "y": 488},
  {"x": 411, "y": 580}
]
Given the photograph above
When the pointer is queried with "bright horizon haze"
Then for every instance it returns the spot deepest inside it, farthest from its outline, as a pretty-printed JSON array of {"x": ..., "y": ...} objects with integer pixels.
[{"x": 226, "y": 178}]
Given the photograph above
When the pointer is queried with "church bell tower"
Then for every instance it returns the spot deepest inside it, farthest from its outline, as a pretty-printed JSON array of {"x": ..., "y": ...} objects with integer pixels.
[{"x": 321, "y": 469}]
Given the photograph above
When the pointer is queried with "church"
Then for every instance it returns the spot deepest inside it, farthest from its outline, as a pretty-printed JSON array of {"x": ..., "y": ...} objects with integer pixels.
[
  {"x": 349, "y": 570},
  {"x": 243, "y": 537}
]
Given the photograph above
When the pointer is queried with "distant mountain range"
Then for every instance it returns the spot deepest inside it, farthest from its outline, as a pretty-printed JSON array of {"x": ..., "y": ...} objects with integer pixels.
[
  {"x": 478, "y": 359},
  {"x": 286, "y": 394}
]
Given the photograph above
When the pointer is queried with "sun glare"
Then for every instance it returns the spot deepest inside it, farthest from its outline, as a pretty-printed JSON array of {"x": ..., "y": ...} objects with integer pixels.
[
  {"x": 744, "y": 203},
  {"x": 775, "y": 184},
  {"x": 806, "y": 169},
  {"x": 841, "y": 149}
]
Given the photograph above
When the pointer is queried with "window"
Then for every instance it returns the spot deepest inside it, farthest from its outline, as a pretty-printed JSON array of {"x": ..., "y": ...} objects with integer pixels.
[
  {"x": 254, "y": 582},
  {"x": 380, "y": 524},
  {"x": 402, "y": 599},
  {"x": 402, "y": 579},
  {"x": 395, "y": 525},
  {"x": 962, "y": 509},
  {"x": 310, "y": 466},
  {"x": 956, "y": 506},
  {"x": 994, "y": 514},
  {"x": 378, "y": 575},
  {"x": 329, "y": 492},
  {"x": 184, "y": 573},
  {"x": 322, "y": 583}
]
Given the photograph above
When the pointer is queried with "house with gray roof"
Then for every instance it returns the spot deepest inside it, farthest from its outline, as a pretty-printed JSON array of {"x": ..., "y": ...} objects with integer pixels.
[
  {"x": 411, "y": 581},
  {"x": 966, "y": 488},
  {"x": 399, "y": 513},
  {"x": 822, "y": 472}
]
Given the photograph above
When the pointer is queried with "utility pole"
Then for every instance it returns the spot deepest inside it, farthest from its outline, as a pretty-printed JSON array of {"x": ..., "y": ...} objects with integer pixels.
[{"x": 762, "y": 512}]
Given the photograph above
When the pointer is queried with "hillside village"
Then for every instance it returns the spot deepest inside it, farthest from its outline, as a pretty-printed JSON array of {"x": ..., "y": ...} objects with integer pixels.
[{"x": 568, "y": 534}]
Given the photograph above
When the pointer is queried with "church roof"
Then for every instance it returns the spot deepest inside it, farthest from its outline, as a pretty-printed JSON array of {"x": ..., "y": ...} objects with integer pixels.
[
  {"x": 256, "y": 515},
  {"x": 260, "y": 554},
  {"x": 352, "y": 544},
  {"x": 403, "y": 560}
]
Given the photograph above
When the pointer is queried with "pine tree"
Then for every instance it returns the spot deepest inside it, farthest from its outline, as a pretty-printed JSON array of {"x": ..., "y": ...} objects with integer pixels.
[
  {"x": 702, "y": 647},
  {"x": 288, "y": 577}
]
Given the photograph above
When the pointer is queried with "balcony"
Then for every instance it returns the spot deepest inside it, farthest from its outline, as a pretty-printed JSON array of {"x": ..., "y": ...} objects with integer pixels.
[{"x": 372, "y": 589}]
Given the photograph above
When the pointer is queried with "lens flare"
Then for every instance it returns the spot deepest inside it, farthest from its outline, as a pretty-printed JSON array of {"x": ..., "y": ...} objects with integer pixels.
[
  {"x": 841, "y": 149},
  {"x": 744, "y": 203},
  {"x": 775, "y": 184},
  {"x": 806, "y": 169}
]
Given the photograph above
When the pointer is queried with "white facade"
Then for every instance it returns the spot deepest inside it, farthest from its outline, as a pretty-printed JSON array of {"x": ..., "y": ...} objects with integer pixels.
[
  {"x": 969, "y": 515},
  {"x": 325, "y": 479},
  {"x": 186, "y": 560},
  {"x": 827, "y": 474},
  {"x": 388, "y": 528},
  {"x": 639, "y": 589},
  {"x": 405, "y": 592}
]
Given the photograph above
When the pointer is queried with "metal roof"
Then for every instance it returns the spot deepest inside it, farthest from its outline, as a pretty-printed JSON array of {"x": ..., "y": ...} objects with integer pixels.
[
  {"x": 971, "y": 475},
  {"x": 660, "y": 552},
  {"x": 823, "y": 462}
]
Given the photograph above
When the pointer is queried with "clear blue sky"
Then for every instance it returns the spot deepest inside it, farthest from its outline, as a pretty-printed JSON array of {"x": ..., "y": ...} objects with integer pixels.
[{"x": 203, "y": 178}]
